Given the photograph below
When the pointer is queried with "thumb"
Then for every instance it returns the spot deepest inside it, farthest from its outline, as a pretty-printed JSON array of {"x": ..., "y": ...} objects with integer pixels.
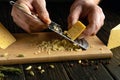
[
  {"x": 25, "y": 8},
  {"x": 73, "y": 16},
  {"x": 40, "y": 7}
]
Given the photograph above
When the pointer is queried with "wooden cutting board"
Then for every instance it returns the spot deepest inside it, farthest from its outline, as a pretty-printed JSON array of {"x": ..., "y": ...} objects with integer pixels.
[{"x": 25, "y": 45}]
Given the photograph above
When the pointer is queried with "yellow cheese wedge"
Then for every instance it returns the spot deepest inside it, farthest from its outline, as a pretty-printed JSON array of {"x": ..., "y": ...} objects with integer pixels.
[
  {"x": 6, "y": 39},
  {"x": 76, "y": 30},
  {"x": 114, "y": 38}
]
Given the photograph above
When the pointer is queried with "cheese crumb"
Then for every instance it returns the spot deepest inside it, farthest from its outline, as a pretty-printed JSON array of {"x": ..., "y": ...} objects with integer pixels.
[
  {"x": 42, "y": 71},
  {"x": 52, "y": 66},
  {"x": 39, "y": 67},
  {"x": 29, "y": 68},
  {"x": 56, "y": 45}
]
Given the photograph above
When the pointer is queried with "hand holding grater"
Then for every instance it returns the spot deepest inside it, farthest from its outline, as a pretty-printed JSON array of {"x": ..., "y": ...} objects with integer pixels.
[{"x": 55, "y": 28}]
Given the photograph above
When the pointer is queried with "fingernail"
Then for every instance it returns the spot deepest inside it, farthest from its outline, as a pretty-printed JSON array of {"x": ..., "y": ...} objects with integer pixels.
[
  {"x": 47, "y": 20},
  {"x": 81, "y": 36}
]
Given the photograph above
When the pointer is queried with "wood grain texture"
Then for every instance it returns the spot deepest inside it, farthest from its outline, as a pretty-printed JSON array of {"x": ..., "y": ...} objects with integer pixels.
[
  {"x": 64, "y": 71},
  {"x": 25, "y": 45}
]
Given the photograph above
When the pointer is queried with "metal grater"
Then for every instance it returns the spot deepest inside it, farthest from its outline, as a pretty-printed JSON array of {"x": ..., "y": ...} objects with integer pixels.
[{"x": 57, "y": 29}]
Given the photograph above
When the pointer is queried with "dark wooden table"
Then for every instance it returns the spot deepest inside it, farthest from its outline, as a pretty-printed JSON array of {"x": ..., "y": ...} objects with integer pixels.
[{"x": 99, "y": 69}]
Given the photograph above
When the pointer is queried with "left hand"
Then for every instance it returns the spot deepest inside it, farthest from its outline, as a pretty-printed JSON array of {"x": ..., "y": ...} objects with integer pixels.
[
  {"x": 28, "y": 23},
  {"x": 87, "y": 8}
]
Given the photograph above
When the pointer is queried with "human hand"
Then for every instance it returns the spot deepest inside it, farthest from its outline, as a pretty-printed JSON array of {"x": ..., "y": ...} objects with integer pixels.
[
  {"x": 87, "y": 9},
  {"x": 28, "y": 23}
]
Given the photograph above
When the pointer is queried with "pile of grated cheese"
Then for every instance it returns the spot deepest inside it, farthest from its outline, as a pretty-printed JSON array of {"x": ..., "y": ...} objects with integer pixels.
[{"x": 57, "y": 45}]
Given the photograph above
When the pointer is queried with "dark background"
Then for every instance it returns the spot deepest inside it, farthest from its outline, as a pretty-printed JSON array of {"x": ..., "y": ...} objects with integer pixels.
[
  {"x": 59, "y": 11},
  {"x": 53, "y": 6}
]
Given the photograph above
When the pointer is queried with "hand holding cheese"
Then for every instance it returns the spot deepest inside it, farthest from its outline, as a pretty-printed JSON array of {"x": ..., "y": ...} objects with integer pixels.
[
  {"x": 6, "y": 39},
  {"x": 91, "y": 11}
]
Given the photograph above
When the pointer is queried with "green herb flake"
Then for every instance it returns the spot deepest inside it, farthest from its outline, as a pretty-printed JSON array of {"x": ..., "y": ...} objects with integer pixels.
[{"x": 20, "y": 55}]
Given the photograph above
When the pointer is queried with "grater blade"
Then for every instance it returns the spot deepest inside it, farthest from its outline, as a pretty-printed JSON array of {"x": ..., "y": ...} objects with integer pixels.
[{"x": 57, "y": 28}]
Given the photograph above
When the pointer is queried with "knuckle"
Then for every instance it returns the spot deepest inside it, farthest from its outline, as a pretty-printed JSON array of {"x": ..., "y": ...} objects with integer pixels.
[
  {"x": 97, "y": 27},
  {"x": 103, "y": 16},
  {"x": 87, "y": 33},
  {"x": 14, "y": 20},
  {"x": 71, "y": 17}
]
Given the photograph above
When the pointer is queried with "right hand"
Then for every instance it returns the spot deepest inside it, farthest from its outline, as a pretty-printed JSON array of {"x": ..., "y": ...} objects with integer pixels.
[
  {"x": 28, "y": 23},
  {"x": 87, "y": 9}
]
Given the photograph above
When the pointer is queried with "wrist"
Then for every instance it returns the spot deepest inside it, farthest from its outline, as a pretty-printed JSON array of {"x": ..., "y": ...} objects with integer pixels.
[
  {"x": 90, "y": 1},
  {"x": 93, "y": 1},
  {"x": 96, "y": 1}
]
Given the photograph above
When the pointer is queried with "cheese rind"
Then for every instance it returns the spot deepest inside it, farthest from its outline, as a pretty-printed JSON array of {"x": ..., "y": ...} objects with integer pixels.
[
  {"x": 114, "y": 38},
  {"x": 75, "y": 31},
  {"x": 6, "y": 38}
]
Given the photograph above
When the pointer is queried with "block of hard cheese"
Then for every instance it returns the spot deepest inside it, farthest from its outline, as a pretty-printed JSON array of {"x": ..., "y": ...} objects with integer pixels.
[
  {"x": 114, "y": 38},
  {"x": 6, "y": 38},
  {"x": 76, "y": 30}
]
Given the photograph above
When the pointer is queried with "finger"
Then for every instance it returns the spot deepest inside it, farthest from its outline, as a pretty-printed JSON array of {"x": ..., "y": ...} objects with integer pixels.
[
  {"x": 74, "y": 15},
  {"x": 19, "y": 22},
  {"x": 26, "y": 22},
  {"x": 32, "y": 19},
  {"x": 94, "y": 22},
  {"x": 81, "y": 36},
  {"x": 27, "y": 3},
  {"x": 89, "y": 30},
  {"x": 102, "y": 18},
  {"x": 36, "y": 25},
  {"x": 40, "y": 6},
  {"x": 25, "y": 8}
]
